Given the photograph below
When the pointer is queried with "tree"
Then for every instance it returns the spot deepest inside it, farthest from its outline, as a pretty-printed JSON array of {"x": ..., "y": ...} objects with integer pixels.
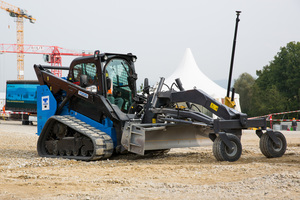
[
  {"x": 243, "y": 86},
  {"x": 277, "y": 87},
  {"x": 266, "y": 101}
]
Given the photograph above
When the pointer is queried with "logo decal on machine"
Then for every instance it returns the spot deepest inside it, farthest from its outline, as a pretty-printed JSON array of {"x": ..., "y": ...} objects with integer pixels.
[
  {"x": 85, "y": 95},
  {"x": 45, "y": 103}
]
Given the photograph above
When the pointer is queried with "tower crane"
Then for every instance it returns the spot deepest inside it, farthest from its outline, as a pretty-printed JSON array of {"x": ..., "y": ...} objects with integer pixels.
[
  {"x": 19, "y": 14},
  {"x": 52, "y": 54}
]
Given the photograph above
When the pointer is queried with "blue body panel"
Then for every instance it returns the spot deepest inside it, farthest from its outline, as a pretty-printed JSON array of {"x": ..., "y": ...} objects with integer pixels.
[
  {"x": 106, "y": 126},
  {"x": 47, "y": 106}
]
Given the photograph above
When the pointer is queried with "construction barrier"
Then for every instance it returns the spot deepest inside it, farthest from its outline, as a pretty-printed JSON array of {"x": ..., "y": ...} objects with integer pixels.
[
  {"x": 7, "y": 114},
  {"x": 269, "y": 117},
  {"x": 17, "y": 113}
]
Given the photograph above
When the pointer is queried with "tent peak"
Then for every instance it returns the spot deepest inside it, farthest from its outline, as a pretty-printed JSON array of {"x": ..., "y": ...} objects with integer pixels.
[{"x": 192, "y": 77}]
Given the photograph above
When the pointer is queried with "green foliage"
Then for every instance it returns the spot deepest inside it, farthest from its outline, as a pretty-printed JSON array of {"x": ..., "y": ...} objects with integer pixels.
[
  {"x": 266, "y": 101},
  {"x": 277, "y": 87},
  {"x": 283, "y": 72},
  {"x": 243, "y": 86}
]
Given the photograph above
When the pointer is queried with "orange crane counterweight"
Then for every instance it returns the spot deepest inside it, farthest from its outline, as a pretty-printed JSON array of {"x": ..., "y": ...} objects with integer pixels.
[{"x": 19, "y": 14}]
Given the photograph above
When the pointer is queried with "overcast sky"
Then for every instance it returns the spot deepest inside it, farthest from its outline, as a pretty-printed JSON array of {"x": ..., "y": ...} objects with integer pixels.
[{"x": 158, "y": 32}]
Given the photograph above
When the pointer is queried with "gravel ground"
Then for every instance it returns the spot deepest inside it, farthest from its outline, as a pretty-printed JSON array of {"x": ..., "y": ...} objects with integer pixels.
[{"x": 189, "y": 173}]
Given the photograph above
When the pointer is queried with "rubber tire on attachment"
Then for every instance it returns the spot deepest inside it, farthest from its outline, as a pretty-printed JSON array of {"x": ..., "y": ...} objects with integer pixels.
[
  {"x": 268, "y": 148},
  {"x": 221, "y": 151}
]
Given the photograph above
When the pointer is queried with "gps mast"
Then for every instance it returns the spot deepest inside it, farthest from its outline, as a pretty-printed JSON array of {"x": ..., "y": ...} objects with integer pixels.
[{"x": 230, "y": 102}]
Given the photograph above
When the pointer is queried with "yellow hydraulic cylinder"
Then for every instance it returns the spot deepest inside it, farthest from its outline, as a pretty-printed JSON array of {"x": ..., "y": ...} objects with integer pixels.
[{"x": 229, "y": 103}]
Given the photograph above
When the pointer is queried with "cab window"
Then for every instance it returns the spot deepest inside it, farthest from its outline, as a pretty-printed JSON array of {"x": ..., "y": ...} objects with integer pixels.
[
  {"x": 88, "y": 69},
  {"x": 118, "y": 71}
]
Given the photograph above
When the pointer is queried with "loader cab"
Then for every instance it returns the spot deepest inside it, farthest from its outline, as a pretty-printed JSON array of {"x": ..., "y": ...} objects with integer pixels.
[{"x": 110, "y": 75}]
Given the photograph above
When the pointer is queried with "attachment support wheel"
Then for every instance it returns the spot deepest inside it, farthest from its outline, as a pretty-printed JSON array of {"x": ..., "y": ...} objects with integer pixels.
[
  {"x": 223, "y": 153},
  {"x": 269, "y": 148}
]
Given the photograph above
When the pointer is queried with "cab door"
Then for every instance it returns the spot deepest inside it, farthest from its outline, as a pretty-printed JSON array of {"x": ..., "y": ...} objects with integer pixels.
[{"x": 118, "y": 71}]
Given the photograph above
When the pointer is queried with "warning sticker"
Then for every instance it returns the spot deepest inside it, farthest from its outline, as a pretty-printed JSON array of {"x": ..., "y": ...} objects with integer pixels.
[
  {"x": 214, "y": 106},
  {"x": 45, "y": 103}
]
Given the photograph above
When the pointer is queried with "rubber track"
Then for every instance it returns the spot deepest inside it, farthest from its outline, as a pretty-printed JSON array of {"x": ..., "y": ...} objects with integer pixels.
[{"x": 103, "y": 144}]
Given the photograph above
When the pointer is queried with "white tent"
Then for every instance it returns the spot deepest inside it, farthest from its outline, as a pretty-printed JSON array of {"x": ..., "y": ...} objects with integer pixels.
[{"x": 193, "y": 78}]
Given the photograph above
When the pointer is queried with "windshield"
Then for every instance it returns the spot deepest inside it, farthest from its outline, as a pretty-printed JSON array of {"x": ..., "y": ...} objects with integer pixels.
[{"x": 118, "y": 71}]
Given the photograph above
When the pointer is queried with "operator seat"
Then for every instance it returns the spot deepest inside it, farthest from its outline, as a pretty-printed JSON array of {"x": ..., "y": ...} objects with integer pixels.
[{"x": 119, "y": 100}]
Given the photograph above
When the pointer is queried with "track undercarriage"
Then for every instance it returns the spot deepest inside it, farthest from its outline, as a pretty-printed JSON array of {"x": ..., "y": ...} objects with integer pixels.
[{"x": 68, "y": 137}]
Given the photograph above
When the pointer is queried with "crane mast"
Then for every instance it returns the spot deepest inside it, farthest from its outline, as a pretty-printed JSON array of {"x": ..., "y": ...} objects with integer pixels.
[{"x": 19, "y": 14}]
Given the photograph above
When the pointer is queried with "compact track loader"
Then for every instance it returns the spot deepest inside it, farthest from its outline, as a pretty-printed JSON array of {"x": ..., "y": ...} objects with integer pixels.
[{"x": 96, "y": 112}]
